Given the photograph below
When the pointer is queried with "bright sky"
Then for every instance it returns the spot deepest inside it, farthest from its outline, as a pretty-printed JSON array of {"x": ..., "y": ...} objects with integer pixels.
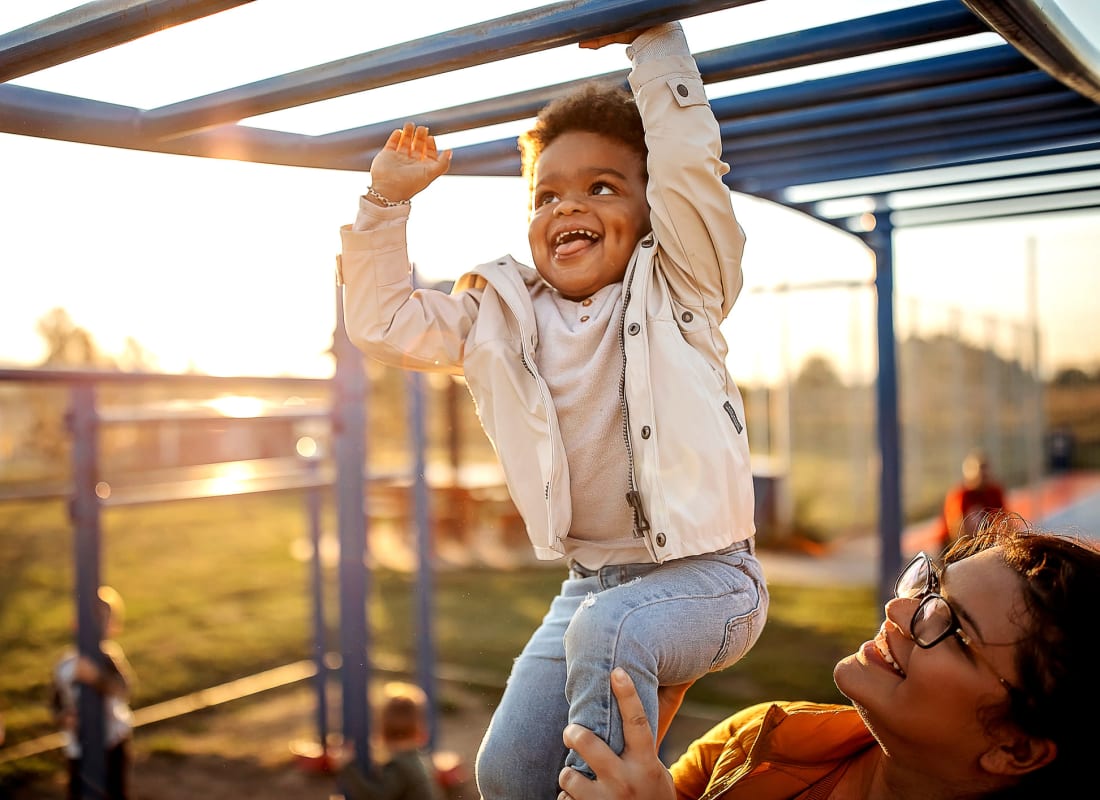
[{"x": 228, "y": 266}]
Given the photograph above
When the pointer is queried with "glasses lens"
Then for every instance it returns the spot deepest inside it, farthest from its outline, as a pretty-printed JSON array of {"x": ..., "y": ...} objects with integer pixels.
[
  {"x": 915, "y": 580},
  {"x": 932, "y": 621}
]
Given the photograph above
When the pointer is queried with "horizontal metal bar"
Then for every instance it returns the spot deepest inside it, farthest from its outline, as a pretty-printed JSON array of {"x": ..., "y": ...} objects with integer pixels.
[
  {"x": 956, "y": 68},
  {"x": 493, "y": 40},
  {"x": 1045, "y": 203},
  {"x": 948, "y": 151},
  {"x": 93, "y": 27},
  {"x": 196, "y": 490},
  {"x": 46, "y": 375},
  {"x": 841, "y": 141},
  {"x": 137, "y": 414},
  {"x": 1049, "y": 37},
  {"x": 872, "y": 34},
  {"x": 877, "y": 109},
  {"x": 33, "y": 112},
  {"x": 1044, "y": 161}
]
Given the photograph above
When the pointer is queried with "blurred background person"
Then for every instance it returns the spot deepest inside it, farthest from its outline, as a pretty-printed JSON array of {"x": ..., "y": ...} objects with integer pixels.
[{"x": 966, "y": 504}]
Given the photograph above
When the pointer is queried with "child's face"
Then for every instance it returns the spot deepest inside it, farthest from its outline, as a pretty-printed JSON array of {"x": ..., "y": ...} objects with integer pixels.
[{"x": 589, "y": 211}]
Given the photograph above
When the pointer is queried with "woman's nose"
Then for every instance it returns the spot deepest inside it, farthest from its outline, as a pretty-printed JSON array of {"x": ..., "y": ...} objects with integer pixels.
[{"x": 899, "y": 611}]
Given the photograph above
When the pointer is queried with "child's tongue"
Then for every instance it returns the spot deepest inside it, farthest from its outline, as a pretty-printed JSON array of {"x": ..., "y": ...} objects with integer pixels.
[{"x": 571, "y": 247}]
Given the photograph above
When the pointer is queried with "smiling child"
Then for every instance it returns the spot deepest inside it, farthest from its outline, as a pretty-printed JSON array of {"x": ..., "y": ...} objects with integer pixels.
[{"x": 600, "y": 377}]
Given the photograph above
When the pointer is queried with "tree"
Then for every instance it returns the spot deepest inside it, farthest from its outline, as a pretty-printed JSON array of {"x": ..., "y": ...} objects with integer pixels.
[
  {"x": 135, "y": 358},
  {"x": 817, "y": 372},
  {"x": 67, "y": 345}
]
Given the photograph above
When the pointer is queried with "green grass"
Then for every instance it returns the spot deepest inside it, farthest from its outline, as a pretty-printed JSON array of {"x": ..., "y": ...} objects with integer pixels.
[{"x": 213, "y": 594}]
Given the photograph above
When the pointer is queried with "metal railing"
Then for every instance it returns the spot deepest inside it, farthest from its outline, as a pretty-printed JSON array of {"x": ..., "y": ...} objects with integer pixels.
[{"x": 345, "y": 473}]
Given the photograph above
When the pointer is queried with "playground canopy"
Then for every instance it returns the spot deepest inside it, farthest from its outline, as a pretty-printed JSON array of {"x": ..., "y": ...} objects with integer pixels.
[{"x": 1002, "y": 122}]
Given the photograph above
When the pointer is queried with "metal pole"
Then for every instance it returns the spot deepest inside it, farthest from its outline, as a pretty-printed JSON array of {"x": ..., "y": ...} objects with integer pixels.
[
  {"x": 1035, "y": 465},
  {"x": 84, "y": 511},
  {"x": 313, "y": 512},
  {"x": 425, "y": 634},
  {"x": 880, "y": 240},
  {"x": 349, "y": 442}
]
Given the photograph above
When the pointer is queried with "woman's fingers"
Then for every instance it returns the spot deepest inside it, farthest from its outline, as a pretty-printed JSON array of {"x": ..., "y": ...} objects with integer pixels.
[
  {"x": 636, "y": 730},
  {"x": 669, "y": 700}
]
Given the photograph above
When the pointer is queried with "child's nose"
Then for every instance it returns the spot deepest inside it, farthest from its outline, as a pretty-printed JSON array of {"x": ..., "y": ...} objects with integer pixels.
[{"x": 568, "y": 205}]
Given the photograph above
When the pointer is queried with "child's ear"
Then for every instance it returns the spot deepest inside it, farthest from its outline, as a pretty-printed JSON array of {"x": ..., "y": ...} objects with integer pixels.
[{"x": 1018, "y": 754}]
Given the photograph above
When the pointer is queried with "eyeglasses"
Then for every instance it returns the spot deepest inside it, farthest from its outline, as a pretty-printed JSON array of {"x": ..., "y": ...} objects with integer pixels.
[{"x": 934, "y": 619}]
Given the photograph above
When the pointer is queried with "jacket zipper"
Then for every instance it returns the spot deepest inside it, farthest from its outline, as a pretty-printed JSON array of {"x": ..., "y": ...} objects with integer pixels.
[{"x": 633, "y": 496}]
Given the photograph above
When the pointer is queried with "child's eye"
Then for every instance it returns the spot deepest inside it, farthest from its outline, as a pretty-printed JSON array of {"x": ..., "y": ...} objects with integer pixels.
[
  {"x": 602, "y": 188},
  {"x": 544, "y": 198}
]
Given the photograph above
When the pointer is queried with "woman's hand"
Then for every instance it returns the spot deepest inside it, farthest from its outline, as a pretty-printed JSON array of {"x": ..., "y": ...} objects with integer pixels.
[
  {"x": 408, "y": 163},
  {"x": 637, "y": 774},
  {"x": 669, "y": 700}
]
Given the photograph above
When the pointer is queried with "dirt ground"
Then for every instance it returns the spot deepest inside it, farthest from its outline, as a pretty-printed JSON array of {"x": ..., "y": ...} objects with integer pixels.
[{"x": 246, "y": 749}]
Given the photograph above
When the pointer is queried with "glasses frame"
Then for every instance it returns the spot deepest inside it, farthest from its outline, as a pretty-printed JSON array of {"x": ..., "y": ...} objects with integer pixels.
[{"x": 928, "y": 595}]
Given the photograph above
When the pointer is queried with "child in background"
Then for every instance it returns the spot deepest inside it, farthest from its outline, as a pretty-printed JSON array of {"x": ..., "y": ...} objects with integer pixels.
[
  {"x": 600, "y": 377},
  {"x": 408, "y": 774},
  {"x": 114, "y": 680}
]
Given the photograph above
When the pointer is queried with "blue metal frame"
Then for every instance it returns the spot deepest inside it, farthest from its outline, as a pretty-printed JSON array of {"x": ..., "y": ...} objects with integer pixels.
[
  {"x": 991, "y": 107},
  {"x": 84, "y": 510}
]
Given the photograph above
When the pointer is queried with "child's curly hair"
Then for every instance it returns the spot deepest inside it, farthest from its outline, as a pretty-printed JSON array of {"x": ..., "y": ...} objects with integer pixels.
[{"x": 603, "y": 108}]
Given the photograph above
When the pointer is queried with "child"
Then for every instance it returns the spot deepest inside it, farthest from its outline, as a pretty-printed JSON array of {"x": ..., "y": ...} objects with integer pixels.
[
  {"x": 601, "y": 381},
  {"x": 408, "y": 774},
  {"x": 114, "y": 681}
]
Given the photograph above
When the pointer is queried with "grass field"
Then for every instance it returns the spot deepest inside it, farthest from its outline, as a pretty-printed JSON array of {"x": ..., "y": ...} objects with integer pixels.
[{"x": 214, "y": 592}]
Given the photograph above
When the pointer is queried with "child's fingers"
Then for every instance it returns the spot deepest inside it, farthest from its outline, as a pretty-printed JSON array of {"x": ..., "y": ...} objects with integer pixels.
[
  {"x": 394, "y": 141},
  {"x": 408, "y": 133},
  {"x": 420, "y": 142}
]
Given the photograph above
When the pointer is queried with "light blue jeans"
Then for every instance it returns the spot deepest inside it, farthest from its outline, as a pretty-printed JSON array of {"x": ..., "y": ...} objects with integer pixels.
[{"x": 665, "y": 624}]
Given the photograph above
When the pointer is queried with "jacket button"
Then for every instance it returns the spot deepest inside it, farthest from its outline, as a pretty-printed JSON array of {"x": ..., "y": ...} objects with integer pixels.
[
  {"x": 681, "y": 90},
  {"x": 645, "y": 431},
  {"x": 687, "y": 316},
  {"x": 660, "y": 540},
  {"x": 633, "y": 328}
]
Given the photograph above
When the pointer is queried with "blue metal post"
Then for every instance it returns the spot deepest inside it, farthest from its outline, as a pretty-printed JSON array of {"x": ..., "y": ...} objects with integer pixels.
[
  {"x": 313, "y": 512},
  {"x": 349, "y": 442},
  {"x": 84, "y": 510},
  {"x": 880, "y": 240},
  {"x": 425, "y": 633}
]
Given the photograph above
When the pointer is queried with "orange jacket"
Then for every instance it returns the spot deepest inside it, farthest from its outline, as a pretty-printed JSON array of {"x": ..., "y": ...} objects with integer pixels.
[{"x": 772, "y": 751}]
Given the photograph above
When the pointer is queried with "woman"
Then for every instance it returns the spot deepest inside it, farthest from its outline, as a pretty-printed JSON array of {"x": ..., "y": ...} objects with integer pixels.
[{"x": 980, "y": 683}]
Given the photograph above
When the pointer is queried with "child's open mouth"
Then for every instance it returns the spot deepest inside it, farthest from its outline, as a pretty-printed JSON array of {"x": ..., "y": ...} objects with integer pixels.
[{"x": 571, "y": 242}]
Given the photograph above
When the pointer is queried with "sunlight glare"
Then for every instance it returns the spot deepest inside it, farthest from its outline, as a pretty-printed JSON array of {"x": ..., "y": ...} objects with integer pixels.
[
  {"x": 306, "y": 447},
  {"x": 237, "y": 406}
]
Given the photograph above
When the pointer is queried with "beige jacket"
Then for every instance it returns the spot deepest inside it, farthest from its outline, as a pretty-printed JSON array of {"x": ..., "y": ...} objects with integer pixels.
[{"x": 685, "y": 417}]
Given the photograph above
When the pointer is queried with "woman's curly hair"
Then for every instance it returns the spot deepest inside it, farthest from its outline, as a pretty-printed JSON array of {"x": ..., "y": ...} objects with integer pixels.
[
  {"x": 603, "y": 108},
  {"x": 1056, "y": 659}
]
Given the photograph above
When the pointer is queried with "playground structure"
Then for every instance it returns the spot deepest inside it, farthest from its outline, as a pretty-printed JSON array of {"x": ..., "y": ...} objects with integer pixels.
[{"x": 836, "y": 148}]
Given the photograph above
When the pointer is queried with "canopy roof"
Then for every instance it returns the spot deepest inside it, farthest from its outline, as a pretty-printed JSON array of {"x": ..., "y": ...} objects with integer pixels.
[{"x": 1007, "y": 125}]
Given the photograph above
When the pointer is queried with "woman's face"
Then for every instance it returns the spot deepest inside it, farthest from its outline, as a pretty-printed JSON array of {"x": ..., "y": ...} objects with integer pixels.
[{"x": 928, "y": 702}]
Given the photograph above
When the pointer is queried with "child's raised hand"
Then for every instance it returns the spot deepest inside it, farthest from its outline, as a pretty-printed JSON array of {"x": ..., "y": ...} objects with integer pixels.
[
  {"x": 408, "y": 163},
  {"x": 626, "y": 37}
]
